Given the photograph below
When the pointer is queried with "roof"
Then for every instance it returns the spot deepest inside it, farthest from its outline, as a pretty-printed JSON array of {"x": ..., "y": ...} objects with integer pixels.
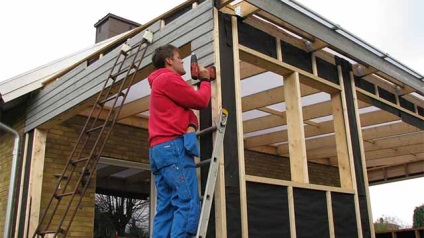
[{"x": 29, "y": 81}]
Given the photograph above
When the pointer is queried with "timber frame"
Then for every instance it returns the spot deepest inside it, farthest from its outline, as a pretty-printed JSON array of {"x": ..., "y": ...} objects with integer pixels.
[{"x": 333, "y": 101}]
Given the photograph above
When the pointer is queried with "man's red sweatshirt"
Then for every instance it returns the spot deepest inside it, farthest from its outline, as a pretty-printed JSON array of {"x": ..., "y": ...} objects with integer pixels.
[{"x": 171, "y": 104}]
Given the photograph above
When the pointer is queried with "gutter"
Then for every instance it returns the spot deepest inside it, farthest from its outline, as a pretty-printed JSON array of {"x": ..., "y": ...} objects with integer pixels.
[{"x": 13, "y": 175}]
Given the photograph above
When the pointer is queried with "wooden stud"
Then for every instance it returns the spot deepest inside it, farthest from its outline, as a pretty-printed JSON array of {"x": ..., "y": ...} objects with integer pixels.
[
  {"x": 36, "y": 179},
  {"x": 295, "y": 129},
  {"x": 280, "y": 182},
  {"x": 341, "y": 141},
  {"x": 239, "y": 119},
  {"x": 330, "y": 215},
  {"x": 216, "y": 104},
  {"x": 292, "y": 217}
]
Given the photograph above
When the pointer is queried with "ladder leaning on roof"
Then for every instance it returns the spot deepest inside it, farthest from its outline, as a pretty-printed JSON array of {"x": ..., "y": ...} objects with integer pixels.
[{"x": 91, "y": 141}]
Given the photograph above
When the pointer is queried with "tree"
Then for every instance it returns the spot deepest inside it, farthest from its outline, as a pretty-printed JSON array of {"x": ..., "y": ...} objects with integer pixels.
[
  {"x": 115, "y": 213},
  {"x": 418, "y": 217},
  {"x": 387, "y": 223}
]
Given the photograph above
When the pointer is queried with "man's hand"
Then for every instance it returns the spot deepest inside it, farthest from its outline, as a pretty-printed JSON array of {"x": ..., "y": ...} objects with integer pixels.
[
  {"x": 204, "y": 73},
  {"x": 190, "y": 129}
]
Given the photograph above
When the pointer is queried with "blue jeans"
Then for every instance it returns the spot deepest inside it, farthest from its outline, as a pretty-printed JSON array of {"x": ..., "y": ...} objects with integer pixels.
[{"x": 177, "y": 204}]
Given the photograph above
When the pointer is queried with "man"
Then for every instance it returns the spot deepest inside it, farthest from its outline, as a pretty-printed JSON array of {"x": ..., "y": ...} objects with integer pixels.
[{"x": 173, "y": 143}]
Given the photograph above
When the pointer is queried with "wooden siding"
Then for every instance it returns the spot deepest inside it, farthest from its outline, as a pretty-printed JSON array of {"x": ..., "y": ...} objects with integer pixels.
[{"x": 74, "y": 90}]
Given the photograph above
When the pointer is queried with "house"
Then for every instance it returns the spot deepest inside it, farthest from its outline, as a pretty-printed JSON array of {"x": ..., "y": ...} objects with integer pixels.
[{"x": 316, "y": 115}]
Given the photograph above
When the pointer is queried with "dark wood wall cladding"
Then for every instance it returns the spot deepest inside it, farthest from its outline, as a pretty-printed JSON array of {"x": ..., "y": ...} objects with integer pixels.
[
  {"x": 327, "y": 71},
  {"x": 296, "y": 57},
  {"x": 311, "y": 213},
  {"x": 256, "y": 39},
  {"x": 365, "y": 85},
  {"x": 268, "y": 211},
  {"x": 344, "y": 215}
]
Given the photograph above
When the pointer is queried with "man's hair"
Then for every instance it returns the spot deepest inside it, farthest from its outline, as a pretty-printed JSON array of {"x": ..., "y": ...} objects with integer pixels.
[{"x": 161, "y": 53}]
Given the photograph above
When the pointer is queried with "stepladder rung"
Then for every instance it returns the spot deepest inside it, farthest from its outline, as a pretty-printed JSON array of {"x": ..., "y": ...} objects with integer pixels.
[
  {"x": 95, "y": 129},
  {"x": 75, "y": 162},
  {"x": 102, "y": 102},
  {"x": 203, "y": 163},
  {"x": 60, "y": 196},
  {"x": 206, "y": 131},
  {"x": 43, "y": 233}
]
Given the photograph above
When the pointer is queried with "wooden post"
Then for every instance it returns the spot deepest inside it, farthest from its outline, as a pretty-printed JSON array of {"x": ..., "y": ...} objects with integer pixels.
[
  {"x": 220, "y": 203},
  {"x": 341, "y": 141},
  {"x": 296, "y": 132},
  {"x": 36, "y": 179},
  {"x": 239, "y": 119}
]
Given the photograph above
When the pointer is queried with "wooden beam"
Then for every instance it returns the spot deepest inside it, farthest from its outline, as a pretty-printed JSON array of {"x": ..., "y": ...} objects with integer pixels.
[
  {"x": 134, "y": 107},
  {"x": 239, "y": 121},
  {"x": 283, "y": 69},
  {"x": 396, "y": 173},
  {"x": 142, "y": 176},
  {"x": 295, "y": 130},
  {"x": 367, "y": 119},
  {"x": 216, "y": 104},
  {"x": 244, "y": 9},
  {"x": 270, "y": 97},
  {"x": 396, "y": 160},
  {"x": 108, "y": 171},
  {"x": 342, "y": 141},
  {"x": 249, "y": 70}
]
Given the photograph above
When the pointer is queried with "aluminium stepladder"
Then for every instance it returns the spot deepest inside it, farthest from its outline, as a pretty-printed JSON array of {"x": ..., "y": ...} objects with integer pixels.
[
  {"x": 85, "y": 155},
  {"x": 213, "y": 171}
]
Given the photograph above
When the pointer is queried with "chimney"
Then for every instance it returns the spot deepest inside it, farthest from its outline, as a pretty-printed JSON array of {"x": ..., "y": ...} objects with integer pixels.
[{"x": 112, "y": 25}]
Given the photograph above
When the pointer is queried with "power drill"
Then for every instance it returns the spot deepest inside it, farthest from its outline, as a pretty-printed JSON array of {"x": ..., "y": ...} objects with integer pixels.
[{"x": 194, "y": 68}]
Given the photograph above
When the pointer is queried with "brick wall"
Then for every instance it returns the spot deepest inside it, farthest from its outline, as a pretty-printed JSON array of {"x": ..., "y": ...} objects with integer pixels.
[
  {"x": 127, "y": 143},
  {"x": 271, "y": 166}
]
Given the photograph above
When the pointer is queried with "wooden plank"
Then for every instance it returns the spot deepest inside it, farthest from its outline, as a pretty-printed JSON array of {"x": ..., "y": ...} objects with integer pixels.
[
  {"x": 309, "y": 112},
  {"x": 249, "y": 70},
  {"x": 270, "y": 97},
  {"x": 292, "y": 215},
  {"x": 280, "y": 182},
  {"x": 216, "y": 104},
  {"x": 330, "y": 214},
  {"x": 396, "y": 173},
  {"x": 108, "y": 171},
  {"x": 281, "y": 68},
  {"x": 395, "y": 160},
  {"x": 295, "y": 130},
  {"x": 244, "y": 9},
  {"x": 367, "y": 119},
  {"x": 399, "y": 151},
  {"x": 36, "y": 178},
  {"x": 239, "y": 120},
  {"x": 341, "y": 142},
  {"x": 142, "y": 176}
]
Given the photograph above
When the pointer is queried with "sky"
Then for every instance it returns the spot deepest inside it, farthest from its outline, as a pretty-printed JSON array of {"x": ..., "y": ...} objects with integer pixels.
[{"x": 37, "y": 32}]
